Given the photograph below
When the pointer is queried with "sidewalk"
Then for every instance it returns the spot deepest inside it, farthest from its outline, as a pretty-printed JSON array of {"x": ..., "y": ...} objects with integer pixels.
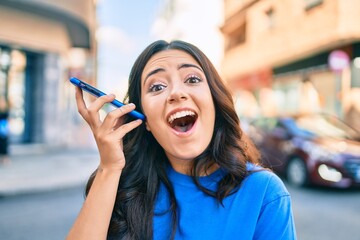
[{"x": 36, "y": 169}]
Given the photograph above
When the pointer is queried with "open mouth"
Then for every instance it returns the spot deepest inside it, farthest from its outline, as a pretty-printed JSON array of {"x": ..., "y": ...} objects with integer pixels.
[{"x": 182, "y": 121}]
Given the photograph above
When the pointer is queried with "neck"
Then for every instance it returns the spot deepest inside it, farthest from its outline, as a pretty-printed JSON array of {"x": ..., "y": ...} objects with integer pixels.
[
  {"x": 182, "y": 166},
  {"x": 185, "y": 167}
]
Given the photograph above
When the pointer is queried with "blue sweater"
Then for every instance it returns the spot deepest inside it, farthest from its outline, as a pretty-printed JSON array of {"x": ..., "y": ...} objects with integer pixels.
[{"x": 261, "y": 209}]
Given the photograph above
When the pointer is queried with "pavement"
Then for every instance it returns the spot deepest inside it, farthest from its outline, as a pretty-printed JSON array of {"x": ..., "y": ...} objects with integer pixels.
[{"x": 38, "y": 168}]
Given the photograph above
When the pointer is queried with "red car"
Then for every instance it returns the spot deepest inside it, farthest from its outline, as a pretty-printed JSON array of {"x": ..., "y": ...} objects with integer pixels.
[{"x": 309, "y": 149}]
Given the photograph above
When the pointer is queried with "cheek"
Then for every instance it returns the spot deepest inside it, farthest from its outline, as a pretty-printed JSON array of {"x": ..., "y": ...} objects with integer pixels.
[
  {"x": 153, "y": 111},
  {"x": 145, "y": 104},
  {"x": 209, "y": 103},
  {"x": 145, "y": 108},
  {"x": 147, "y": 126}
]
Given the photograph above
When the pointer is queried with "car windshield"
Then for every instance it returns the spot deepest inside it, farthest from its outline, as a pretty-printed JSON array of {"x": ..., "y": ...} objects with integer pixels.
[{"x": 321, "y": 126}]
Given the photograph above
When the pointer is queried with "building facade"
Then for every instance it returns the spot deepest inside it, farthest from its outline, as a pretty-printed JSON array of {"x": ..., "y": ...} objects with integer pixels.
[
  {"x": 42, "y": 44},
  {"x": 294, "y": 56}
]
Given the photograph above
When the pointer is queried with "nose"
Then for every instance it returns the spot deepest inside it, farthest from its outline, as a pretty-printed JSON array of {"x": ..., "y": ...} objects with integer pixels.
[{"x": 177, "y": 93}]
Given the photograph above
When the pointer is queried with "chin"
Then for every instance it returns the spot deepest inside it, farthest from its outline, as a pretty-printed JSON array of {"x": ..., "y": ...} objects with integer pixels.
[{"x": 185, "y": 155}]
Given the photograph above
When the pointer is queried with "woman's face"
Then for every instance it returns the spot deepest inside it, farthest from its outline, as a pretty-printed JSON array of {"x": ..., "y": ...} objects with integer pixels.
[{"x": 178, "y": 105}]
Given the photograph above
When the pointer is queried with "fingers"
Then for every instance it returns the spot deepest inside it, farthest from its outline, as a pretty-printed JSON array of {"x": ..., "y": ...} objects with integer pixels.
[
  {"x": 80, "y": 102},
  {"x": 111, "y": 120},
  {"x": 94, "y": 108},
  {"x": 91, "y": 113},
  {"x": 126, "y": 128},
  {"x": 111, "y": 131}
]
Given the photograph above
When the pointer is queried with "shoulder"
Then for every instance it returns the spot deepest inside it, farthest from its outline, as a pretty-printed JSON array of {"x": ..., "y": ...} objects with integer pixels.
[
  {"x": 265, "y": 183},
  {"x": 275, "y": 219}
]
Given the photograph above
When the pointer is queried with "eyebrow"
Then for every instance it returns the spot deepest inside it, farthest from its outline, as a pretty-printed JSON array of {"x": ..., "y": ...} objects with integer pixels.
[
  {"x": 153, "y": 72},
  {"x": 184, "y": 65},
  {"x": 188, "y": 65}
]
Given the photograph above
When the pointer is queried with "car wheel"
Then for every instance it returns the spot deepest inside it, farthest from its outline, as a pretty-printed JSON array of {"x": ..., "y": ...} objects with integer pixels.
[{"x": 296, "y": 172}]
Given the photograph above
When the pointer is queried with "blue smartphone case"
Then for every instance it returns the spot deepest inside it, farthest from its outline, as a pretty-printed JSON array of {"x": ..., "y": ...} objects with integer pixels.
[{"x": 97, "y": 93}]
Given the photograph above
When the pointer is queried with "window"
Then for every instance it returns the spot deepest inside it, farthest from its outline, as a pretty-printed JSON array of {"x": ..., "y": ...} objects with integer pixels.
[{"x": 237, "y": 37}]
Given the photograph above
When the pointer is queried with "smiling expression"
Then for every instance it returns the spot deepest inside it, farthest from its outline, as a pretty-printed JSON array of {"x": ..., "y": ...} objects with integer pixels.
[{"x": 178, "y": 105}]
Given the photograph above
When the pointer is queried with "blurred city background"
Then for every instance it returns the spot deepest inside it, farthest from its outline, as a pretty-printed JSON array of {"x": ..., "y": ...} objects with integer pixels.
[{"x": 281, "y": 58}]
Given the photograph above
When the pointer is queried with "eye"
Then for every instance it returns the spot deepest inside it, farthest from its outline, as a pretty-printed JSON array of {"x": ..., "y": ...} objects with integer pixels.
[
  {"x": 157, "y": 87},
  {"x": 193, "y": 79}
]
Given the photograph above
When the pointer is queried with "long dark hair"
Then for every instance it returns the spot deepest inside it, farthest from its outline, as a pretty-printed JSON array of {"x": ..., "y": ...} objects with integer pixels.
[{"x": 146, "y": 162}]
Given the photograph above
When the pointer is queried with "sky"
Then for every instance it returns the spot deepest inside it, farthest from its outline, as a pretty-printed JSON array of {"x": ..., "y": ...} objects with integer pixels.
[
  {"x": 127, "y": 27},
  {"x": 124, "y": 30}
]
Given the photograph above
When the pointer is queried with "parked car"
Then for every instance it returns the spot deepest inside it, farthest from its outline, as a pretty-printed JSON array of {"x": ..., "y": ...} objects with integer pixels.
[{"x": 309, "y": 149}]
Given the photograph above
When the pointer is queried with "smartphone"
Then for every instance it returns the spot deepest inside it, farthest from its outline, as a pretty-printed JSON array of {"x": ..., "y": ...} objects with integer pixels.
[{"x": 97, "y": 93}]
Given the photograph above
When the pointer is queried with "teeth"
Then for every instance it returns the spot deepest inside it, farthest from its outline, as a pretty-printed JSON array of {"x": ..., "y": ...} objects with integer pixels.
[{"x": 180, "y": 115}]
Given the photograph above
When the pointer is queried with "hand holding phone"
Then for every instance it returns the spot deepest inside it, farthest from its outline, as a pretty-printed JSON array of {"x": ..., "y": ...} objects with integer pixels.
[{"x": 97, "y": 93}]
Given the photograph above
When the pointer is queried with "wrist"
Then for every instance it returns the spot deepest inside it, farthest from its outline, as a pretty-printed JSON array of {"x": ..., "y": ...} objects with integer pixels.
[{"x": 109, "y": 170}]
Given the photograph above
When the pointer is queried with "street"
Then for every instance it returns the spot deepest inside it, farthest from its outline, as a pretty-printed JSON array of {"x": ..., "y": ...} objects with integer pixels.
[
  {"x": 320, "y": 214},
  {"x": 41, "y": 216},
  {"x": 326, "y": 214}
]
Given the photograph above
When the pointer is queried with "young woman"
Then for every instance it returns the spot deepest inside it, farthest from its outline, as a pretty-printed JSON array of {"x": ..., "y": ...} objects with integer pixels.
[{"x": 187, "y": 171}]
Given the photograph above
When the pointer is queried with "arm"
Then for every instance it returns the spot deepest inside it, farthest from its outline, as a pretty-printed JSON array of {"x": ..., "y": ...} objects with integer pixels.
[
  {"x": 276, "y": 220},
  {"x": 94, "y": 217}
]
